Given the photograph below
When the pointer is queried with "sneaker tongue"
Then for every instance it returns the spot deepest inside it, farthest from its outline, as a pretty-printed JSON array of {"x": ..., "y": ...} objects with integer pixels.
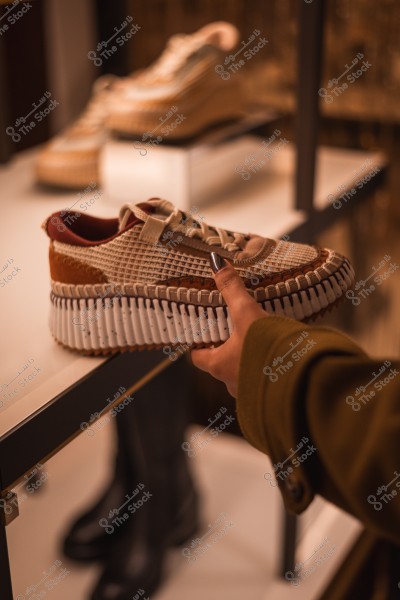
[{"x": 130, "y": 214}]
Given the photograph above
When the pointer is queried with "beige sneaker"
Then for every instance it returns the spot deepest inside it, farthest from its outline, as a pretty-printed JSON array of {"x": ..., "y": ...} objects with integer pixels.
[
  {"x": 144, "y": 280},
  {"x": 71, "y": 158},
  {"x": 181, "y": 94}
]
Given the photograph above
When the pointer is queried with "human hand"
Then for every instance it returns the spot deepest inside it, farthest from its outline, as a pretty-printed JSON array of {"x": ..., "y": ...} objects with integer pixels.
[{"x": 223, "y": 362}]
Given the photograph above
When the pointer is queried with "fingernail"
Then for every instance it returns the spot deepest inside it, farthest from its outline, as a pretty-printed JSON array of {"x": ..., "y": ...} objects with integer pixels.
[{"x": 217, "y": 262}]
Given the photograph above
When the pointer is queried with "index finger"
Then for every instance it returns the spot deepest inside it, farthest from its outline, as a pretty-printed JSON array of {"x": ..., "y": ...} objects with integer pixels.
[{"x": 234, "y": 291}]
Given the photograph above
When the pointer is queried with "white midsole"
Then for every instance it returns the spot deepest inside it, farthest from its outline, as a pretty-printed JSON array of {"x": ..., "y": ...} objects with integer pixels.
[
  {"x": 128, "y": 322},
  {"x": 103, "y": 324}
]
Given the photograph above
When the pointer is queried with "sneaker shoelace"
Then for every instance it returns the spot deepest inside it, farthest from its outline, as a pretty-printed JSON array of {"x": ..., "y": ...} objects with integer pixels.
[{"x": 180, "y": 221}]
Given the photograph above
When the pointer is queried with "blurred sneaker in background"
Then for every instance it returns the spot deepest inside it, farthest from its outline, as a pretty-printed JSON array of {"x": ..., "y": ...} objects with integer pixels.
[
  {"x": 181, "y": 94},
  {"x": 177, "y": 97},
  {"x": 71, "y": 158}
]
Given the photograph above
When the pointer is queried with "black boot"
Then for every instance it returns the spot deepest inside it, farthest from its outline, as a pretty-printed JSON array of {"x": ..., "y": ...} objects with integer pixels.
[
  {"x": 86, "y": 539},
  {"x": 162, "y": 509}
]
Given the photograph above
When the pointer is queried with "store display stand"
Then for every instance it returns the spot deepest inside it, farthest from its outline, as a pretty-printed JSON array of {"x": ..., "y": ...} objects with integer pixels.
[
  {"x": 310, "y": 60},
  {"x": 48, "y": 418},
  {"x": 46, "y": 431}
]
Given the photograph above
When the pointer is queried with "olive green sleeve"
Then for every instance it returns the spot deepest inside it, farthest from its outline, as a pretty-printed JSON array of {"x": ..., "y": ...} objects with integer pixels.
[{"x": 327, "y": 415}]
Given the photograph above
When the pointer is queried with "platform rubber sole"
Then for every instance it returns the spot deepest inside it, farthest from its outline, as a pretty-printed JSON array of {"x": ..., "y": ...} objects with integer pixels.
[
  {"x": 70, "y": 176},
  {"x": 104, "y": 326},
  {"x": 216, "y": 109}
]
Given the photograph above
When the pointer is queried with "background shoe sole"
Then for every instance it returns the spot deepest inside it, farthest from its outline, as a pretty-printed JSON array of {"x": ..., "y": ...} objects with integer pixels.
[
  {"x": 124, "y": 323},
  {"x": 219, "y": 108},
  {"x": 76, "y": 175}
]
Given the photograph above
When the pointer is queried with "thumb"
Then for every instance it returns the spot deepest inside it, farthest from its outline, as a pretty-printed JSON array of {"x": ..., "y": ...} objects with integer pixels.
[{"x": 232, "y": 288}]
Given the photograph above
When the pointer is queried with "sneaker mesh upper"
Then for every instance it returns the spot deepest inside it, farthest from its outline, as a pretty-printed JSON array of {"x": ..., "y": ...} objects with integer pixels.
[{"x": 127, "y": 259}]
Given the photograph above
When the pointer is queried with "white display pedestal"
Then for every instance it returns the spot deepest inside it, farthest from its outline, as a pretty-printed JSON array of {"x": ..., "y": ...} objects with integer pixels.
[{"x": 187, "y": 174}]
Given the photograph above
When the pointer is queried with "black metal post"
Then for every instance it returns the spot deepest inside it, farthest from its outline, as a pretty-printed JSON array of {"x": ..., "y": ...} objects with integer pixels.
[
  {"x": 311, "y": 20},
  {"x": 289, "y": 543},
  {"x": 311, "y": 15},
  {"x": 5, "y": 574},
  {"x": 5, "y": 147}
]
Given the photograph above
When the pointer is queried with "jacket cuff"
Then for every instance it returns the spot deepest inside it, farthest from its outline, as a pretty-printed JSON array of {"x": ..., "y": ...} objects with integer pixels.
[{"x": 277, "y": 355}]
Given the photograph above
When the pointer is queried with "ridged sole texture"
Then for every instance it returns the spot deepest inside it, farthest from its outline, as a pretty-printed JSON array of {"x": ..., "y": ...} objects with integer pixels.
[{"x": 122, "y": 323}]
